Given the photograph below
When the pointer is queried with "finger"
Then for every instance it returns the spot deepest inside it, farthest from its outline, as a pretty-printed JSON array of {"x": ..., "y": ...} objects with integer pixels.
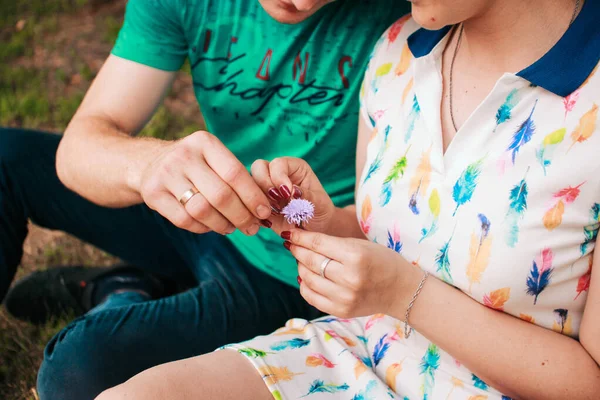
[
  {"x": 201, "y": 209},
  {"x": 313, "y": 261},
  {"x": 231, "y": 170},
  {"x": 260, "y": 173},
  {"x": 197, "y": 206},
  {"x": 332, "y": 247},
  {"x": 316, "y": 300},
  {"x": 279, "y": 170},
  {"x": 317, "y": 283},
  {"x": 221, "y": 198},
  {"x": 172, "y": 210}
]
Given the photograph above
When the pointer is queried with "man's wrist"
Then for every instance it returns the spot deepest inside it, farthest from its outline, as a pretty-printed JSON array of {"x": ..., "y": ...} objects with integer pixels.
[{"x": 146, "y": 150}]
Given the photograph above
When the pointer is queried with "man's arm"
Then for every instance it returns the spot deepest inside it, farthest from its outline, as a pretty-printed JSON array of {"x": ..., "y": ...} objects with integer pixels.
[{"x": 99, "y": 159}]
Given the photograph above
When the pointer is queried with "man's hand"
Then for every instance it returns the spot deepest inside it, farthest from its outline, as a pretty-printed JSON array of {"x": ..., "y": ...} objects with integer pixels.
[{"x": 228, "y": 197}]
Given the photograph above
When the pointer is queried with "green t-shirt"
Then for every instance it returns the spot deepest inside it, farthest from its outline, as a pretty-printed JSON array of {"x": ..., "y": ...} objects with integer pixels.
[{"x": 268, "y": 89}]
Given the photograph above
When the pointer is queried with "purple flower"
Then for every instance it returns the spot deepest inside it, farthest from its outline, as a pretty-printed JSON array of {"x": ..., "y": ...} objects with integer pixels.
[{"x": 298, "y": 211}]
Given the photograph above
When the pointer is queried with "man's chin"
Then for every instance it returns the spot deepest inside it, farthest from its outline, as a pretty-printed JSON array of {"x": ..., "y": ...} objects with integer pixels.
[{"x": 284, "y": 13}]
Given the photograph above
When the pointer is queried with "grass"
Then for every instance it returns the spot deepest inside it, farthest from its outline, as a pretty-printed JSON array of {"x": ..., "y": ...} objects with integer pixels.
[{"x": 50, "y": 51}]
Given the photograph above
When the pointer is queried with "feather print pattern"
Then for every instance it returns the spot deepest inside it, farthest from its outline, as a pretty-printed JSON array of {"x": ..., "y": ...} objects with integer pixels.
[
  {"x": 391, "y": 374},
  {"x": 383, "y": 70},
  {"x": 419, "y": 183},
  {"x": 381, "y": 348},
  {"x": 295, "y": 343},
  {"x": 407, "y": 89},
  {"x": 318, "y": 386},
  {"x": 590, "y": 231},
  {"x": 394, "y": 242},
  {"x": 375, "y": 165},
  {"x": 253, "y": 353},
  {"x": 466, "y": 184},
  {"x": 273, "y": 375},
  {"x": 331, "y": 334},
  {"x": 516, "y": 210},
  {"x": 434, "y": 207},
  {"x": 365, "y": 215},
  {"x": 583, "y": 284},
  {"x": 372, "y": 320},
  {"x": 359, "y": 369},
  {"x": 563, "y": 321},
  {"x": 504, "y": 113},
  {"x": 456, "y": 383},
  {"x": 368, "y": 393},
  {"x": 496, "y": 299},
  {"x": 429, "y": 365},
  {"x": 570, "y": 101},
  {"x": 396, "y": 28},
  {"x": 540, "y": 274},
  {"x": 586, "y": 127},
  {"x": 478, "y": 383},
  {"x": 442, "y": 262},
  {"x": 414, "y": 115},
  {"x": 316, "y": 359},
  {"x": 551, "y": 141},
  {"x": 523, "y": 135},
  {"x": 481, "y": 247},
  {"x": 553, "y": 217},
  {"x": 396, "y": 172},
  {"x": 405, "y": 59}
]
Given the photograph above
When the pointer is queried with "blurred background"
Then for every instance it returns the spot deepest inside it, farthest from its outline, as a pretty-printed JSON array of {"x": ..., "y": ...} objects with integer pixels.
[{"x": 50, "y": 51}]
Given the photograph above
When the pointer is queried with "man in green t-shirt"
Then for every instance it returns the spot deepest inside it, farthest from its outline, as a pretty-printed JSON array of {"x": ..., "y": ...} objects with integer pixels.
[{"x": 273, "y": 78}]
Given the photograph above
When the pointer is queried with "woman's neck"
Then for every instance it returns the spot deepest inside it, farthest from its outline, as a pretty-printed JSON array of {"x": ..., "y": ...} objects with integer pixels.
[{"x": 512, "y": 34}]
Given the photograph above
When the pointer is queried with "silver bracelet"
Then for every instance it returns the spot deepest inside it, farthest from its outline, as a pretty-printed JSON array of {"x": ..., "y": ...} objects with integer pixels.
[{"x": 407, "y": 328}]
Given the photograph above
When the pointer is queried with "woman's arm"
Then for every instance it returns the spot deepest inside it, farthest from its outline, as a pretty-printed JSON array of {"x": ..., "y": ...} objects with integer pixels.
[
  {"x": 518, "y": 358},
  {"x": 344, "y": 223}
]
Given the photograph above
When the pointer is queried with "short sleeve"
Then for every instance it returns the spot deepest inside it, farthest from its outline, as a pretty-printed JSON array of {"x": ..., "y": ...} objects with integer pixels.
[
  {"x": 380, "y": 65},
  {"x": 153, "y": 35}
]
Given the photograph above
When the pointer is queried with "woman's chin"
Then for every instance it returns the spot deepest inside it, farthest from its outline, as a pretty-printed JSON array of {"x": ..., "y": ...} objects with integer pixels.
[{"x": 427, "y": 20}]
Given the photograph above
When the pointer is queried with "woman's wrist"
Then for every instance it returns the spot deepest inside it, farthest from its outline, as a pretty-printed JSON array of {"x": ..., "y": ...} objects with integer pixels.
[{"x": 408, "y": 282}]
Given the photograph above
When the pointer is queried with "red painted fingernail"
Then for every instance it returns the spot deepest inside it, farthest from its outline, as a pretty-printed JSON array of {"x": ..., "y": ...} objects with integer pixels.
[
  {"x": 274, "y": 194},
  {"x": 297, "y": 192},
  {"x": 299, "y": 280},
  {"x": 285, "y": 191},
  {"x": 287, "y": 245},
  {"x": 266, "y": 223},
  {"x": 287, "y": 235}
]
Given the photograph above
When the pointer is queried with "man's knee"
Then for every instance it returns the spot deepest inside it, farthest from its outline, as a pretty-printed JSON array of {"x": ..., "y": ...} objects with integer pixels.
[{"x": 79, "y": 363}]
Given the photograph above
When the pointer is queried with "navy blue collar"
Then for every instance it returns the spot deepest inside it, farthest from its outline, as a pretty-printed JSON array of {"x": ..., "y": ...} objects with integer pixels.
[{"x": 563, "y": 69}]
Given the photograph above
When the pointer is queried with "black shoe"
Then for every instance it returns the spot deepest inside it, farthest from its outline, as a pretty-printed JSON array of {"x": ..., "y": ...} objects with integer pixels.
[{"x": 73, "y": 291}]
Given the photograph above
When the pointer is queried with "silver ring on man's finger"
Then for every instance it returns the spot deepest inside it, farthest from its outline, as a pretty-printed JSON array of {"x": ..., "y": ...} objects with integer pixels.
[
  {"x": 187, "y": 195},
  {"x": 324, "y": 265}
]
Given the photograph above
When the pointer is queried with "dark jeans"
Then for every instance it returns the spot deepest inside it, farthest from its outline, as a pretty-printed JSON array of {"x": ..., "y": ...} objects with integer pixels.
[{"x": 230, "y": 300}]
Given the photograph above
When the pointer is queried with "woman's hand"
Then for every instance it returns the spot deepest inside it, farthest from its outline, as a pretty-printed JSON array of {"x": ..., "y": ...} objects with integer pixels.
[
  {"x": 285, "y": 178},
  {"x": 362, "y": 278}
]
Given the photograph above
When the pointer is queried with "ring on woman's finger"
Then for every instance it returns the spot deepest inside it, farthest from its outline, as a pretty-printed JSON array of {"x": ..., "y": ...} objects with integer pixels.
[
  {"x": 324, "y": 265},
  {"x": 187, "y": 195}
]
